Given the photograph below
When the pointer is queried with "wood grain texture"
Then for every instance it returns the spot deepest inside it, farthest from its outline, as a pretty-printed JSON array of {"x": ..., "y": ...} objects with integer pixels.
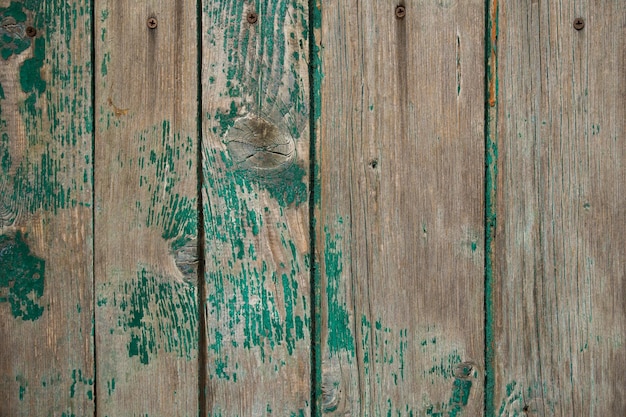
[
  {"x": 400, "y": 216},
  {"x": 560, "y": 322},
  {"x": 146, "y": 214},
  {"x": 46, "y": 281},
  {"x": 255, "y": 190}
]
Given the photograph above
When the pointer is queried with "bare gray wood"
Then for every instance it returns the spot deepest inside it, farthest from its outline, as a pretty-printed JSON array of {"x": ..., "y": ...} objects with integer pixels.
[
  {"x": 146, "y": 208},
  {"x": 560, "y": 322},
  {"x": 46, "y": 280},
  {"x": 256, "y": 212},
  {"x": 400, "y": 220}
]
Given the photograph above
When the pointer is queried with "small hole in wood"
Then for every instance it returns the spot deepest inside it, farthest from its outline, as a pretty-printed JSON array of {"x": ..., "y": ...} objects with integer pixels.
[
  {"x": 374, "y": 163},
  {"x": 525, "y": 409},
  {"x": 31, "y": 32}
]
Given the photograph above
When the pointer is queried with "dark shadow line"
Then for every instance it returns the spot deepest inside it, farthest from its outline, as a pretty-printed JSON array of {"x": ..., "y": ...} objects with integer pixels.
[
  {"x": 202, "y": 335},
  {"x": 93, "y": 202},
  {"x": 490, "y": 189},
  {"x": 314, "y": 21}
]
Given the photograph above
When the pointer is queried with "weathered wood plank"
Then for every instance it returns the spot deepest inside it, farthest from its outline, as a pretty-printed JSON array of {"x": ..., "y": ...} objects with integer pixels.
[
  {"x": 400, "y": 216},
  {"x": 560, "y": 322},
  {"x": 46, "y": 284},
  {"x": 146, "y": 215},
  {"x": 255, "y": 164}
]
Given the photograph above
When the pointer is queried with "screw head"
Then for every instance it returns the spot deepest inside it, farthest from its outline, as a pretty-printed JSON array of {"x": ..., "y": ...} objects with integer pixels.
[
  {"x": 252, "y": 18},
  {"x": 31, "y": 32},
  {"x": 579, "y": 23},
  {"x": 152, "y": 22},
  {"x": 400, "y": 11}
]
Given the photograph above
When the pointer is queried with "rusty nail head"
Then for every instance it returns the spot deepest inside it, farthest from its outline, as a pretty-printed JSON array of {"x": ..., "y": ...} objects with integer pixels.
[
  {"x": 31, "y": 31},
  {"x": 400, "y": 12},
  {"x": 152, "y": 22},
  {"x": 252, "y": 18},
  {"x": 579, "y": 23}
]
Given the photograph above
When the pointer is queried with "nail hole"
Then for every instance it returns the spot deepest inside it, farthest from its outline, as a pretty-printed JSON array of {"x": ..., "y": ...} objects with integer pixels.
[
  {"x": 152, "y": 22},
  {"x": 31, "y": 31},
  {"x": 374, "y": 163},
  {"x": 579, "y": 23},
  {"x": 525, "y": 409},
  {"x": 252, "y": 18},
  {"x": 400, "y": 12}
]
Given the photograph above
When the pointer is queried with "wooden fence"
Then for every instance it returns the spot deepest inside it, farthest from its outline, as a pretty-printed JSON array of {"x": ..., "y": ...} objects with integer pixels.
[{"x": 345, "y": 208}]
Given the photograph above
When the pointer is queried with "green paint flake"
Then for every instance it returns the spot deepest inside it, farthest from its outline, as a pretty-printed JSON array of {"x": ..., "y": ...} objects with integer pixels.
[
  {"x": 21, "y": 277},
  {"x": 82, "y": 382},
  {"x": 30, "y": 71},
  {"x": 111, "y": 386}
]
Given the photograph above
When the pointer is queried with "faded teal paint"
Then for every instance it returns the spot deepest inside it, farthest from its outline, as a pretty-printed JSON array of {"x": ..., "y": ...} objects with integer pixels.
[
  {"x": 22, "y": 277},
  {"x": 14, "y": 41},
  {"x": 340, "y": 337},
  {"x": 157, "y": 315}
]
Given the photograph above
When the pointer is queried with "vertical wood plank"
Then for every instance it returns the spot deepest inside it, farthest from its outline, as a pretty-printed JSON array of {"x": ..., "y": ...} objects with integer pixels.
[
  {"x": 146, "y": 216},
  {"x": 560, "y": 323},
  {"x": 255, "y": 164},
  {"x": 400, "y": 219},
  {"x": 46, "y": 280}
]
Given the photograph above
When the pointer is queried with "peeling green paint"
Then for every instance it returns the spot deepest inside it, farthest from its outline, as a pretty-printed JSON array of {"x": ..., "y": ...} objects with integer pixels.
[
  {"x": 157, "y": 315},
  {"x": 340, "y": 337},
  {"x": 287, "y": 187},
  {"x": 22, "y": 277},
  {"x": 42, "y": 176}
]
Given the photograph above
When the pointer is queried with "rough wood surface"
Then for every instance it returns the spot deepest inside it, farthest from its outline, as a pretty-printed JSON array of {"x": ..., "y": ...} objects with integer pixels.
[
  {"x": 560, "y": 321},
  {"x": 256, "y": 211},
  {"x": 46, "y": 308},
  {"x": 145, "y": 211},
  {"x": 400, "y": 216}
]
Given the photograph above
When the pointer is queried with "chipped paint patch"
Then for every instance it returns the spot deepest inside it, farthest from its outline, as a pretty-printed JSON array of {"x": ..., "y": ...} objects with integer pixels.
[
  {"x": 21, "y": 277},
  {"x": 13, "y": 38}
]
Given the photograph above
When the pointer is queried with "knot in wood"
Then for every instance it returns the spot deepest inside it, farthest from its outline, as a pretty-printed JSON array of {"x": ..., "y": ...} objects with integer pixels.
[
  {"x": 330, "y": 397},
  {"x": 464, "y": 370},
  {"x": 259, "y": 146}
]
